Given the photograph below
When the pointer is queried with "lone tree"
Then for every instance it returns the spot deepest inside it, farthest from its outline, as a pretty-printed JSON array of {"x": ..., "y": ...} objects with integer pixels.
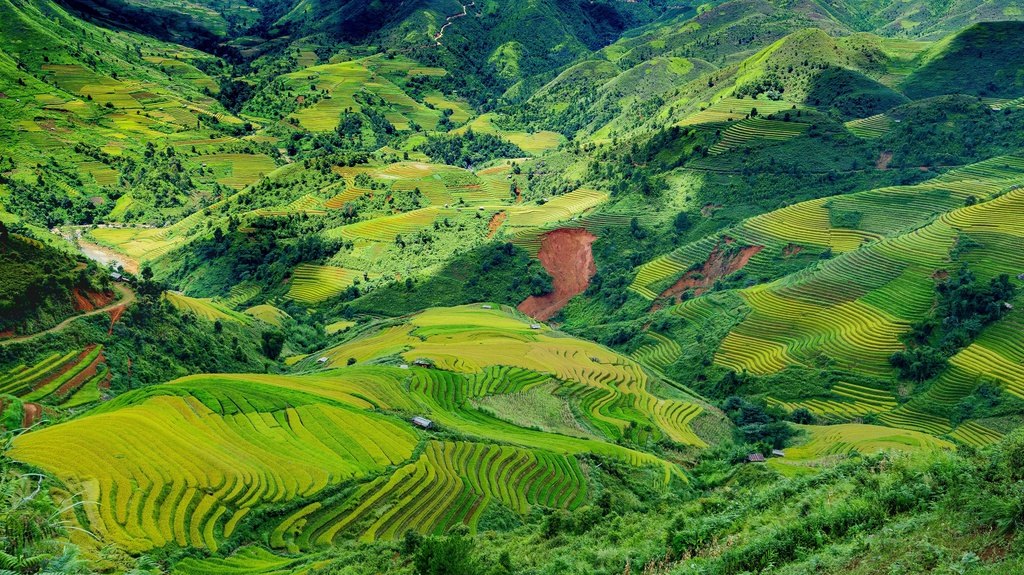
[{"x": 273, "y": 343}]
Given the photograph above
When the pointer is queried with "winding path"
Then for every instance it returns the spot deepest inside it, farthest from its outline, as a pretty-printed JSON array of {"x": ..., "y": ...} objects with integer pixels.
[
  {"x": 128, "y": 297},
  {"x": 440, "y": 33}
]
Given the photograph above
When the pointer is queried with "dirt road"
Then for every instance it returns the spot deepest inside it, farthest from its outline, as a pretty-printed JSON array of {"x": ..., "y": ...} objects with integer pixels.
[{"x": 128, "y": 297}]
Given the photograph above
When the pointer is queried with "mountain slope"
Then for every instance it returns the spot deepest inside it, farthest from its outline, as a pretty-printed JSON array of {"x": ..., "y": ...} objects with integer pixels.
[{"x": 983, "y": 60}]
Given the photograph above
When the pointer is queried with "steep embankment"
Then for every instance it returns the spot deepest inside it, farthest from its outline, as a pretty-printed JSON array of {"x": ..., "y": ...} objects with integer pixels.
[{"x": 566, "y": 255}]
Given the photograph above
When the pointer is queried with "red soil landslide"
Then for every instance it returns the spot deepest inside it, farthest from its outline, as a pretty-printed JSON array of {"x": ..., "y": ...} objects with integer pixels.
[
  {"x": 495, "y": 223},
  {"x": 566, "y": 255},
  {"x": 883, "y": 161},
  {"x": 90, "y": 300},
  {"x": 715, "y": 268},
  {"x": 33, "y": 411},
  {"x": 115, "y": 314}
]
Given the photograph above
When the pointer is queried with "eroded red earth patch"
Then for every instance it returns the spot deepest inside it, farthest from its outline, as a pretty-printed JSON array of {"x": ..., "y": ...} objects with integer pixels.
[
  {"x": 718, "y": 265},
  {"x": 567, "y": 256}
]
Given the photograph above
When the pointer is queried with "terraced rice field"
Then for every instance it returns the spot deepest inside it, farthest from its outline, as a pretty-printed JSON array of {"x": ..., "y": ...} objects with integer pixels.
[
  {"x": 852, "y": 308},
  {"x": 972, "y": 433},
  {"x": 237, "y": 170},
  {"x": 144, "y": 244},
  {"x": 365, "y": 387},
  {"x": 204, "y": 308},
  {"x": 57, "y": 378},
  {"x": 203, "y": 454},
  {"x": 734, "y": 109},
  {"x": 658, "y": 352},
  {"x": 450, "y": 483},
  {"x": 994, "y": 358},
  {"x": 103, "y": 174},
  {"x": 337, "y": 326},
  {"x": 238, "y": 295},
  {"x": 246, "y": 561},
  {"x": 311, "y": 284},
  {"x": 559, "y": 208},
  {"x": 50, "y": 386},
  {"x": 342, "y": 81},
  {"x": 305, "y": 205},
  {"x": 384, "y": 229},
  {"x": 872, "y": 127},
  {"x": 857, "y": 401},
  {"x": 611, "y": 390},
  {"x": 535, "y": 144},
  {"x": 750, "y": 129},
  {"x": 907, "y": 417},
  {"x": 267, "y": 314},
  {"x": 884, "y": 212},
  {"x": 865, "y": 439}
]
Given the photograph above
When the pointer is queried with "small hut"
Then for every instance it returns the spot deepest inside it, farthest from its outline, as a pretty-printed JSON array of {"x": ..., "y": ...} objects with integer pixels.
[
  {"x": 755, "y": 458},
  {"x": 422, "y": 422}
]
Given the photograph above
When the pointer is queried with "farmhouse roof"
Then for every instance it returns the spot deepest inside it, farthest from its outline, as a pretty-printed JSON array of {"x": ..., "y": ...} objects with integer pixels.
[
  {"x": 778, "y": 453},
  {"x": 486, "y": 307},
  {"x": 322, "y": 360},
  {"x": 534, "y": 326},
  {"x": 116, "y": 276},
  {"x": 755, "y": 458},
  {"x": 423, "y": 422}
]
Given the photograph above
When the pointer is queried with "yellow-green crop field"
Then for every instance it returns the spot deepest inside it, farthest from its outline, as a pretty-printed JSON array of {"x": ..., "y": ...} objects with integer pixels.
[
  {"x": 245, "y": 561},
  {"x": 536, "y": 143},
  {"x": 851, "y": 309},
  {"x": 311, "y": 283},
  {"x": 238, "y": 295},
  {"x": 611, "y": 389},
  {"x": 744, "y": 131},
  {"x": 203, "y": 453},
  {"x": 839, "y": 439},
  {"x": 871, "y": 127},
  {"x": 237, "y": 170},
  {"x": 449, "y": 484},
  {"x": 559, "y": 208},
  {"x": 143, "y": 244},
  {"x": 68, "y": 380},
  {"x": 267, "y": 314},
  {"x": 205, "y": 308},
  {"x": 206, "y": 451},
  {"x": 342, "y": 81},
  {"x": 735, "y": 109}
]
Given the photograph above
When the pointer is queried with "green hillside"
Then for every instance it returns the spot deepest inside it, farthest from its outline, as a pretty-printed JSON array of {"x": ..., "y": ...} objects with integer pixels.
[
  {"x": 530, "y": 287},
  {"x": 987, "y": 53}
]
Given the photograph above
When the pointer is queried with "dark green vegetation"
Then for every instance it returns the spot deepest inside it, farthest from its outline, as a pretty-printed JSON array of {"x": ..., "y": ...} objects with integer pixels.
[
  {"x": 612, "y": 250},
  {"x": 983, "y": 60},
  {"x": 39, "y": 284}
]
